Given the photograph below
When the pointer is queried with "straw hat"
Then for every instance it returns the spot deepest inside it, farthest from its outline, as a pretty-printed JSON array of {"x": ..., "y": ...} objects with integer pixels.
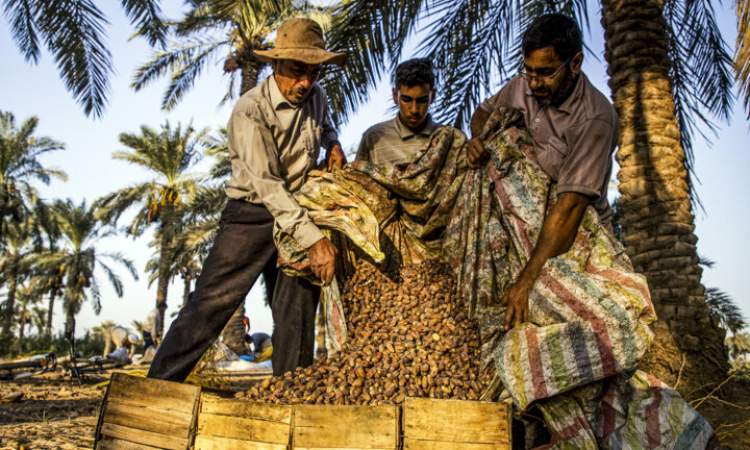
[{"x": 301, "y": 40}]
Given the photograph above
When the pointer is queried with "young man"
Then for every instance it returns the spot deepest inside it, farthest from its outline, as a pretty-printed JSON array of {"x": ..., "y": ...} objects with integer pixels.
[
  {"x": 275, "y": 134},
  {"x": 574, "y": 128},
  {"x": 400, "y": 139}
]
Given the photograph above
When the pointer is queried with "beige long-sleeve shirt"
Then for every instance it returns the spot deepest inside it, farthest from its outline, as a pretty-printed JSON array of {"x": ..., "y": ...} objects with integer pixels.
[{"x": 273, "y": 144}]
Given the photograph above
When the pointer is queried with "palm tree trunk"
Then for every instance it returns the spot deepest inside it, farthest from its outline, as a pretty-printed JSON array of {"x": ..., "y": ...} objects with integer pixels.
[
  {"x": 165, "y": 252},
  {"x": 656, "y": 213},
  {"x": 50, "y": 313},
  {"x": 249, "y": 73},
  {"x": 70, "y": 326},
  {"x": 22, "y": 326},
  {"x": 10, "y": 303}
]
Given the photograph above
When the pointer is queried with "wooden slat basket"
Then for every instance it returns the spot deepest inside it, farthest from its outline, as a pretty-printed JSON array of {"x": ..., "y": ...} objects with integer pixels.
[
  {"x": 431, "y": 424},
  {"x": 318, "y": 427},
  {"x": 139, "y": 413},
  {"x": 235, "y": 424}
]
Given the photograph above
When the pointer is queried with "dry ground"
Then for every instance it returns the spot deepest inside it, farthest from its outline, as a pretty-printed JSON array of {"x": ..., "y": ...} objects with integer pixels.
[{"x": 54, "y": 412}]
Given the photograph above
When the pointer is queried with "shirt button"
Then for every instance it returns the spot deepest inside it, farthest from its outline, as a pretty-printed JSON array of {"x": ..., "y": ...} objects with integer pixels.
[{"x": 537, "y": 120}]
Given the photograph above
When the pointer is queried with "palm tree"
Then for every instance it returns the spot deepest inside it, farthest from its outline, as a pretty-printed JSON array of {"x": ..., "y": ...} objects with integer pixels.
[
  {"x": 742, "y": 52},
  {"x": 78, "y": 258},
  {"x": 232, "y": 29},
  {"x": 168, "y": 154},
  {"x": 27, "y": 296},
  {"x": 14, "y": 265},
  {"x": 39, "y": 320},
  {"x": 73, "y": 31},
  {"x": 20, "y": 166},
  {"x": 649, "y": 72}
]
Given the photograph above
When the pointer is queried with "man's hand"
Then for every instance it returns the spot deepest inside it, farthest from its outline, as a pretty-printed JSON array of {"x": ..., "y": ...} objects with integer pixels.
[
  {"x": 322, "y": 260},
  {"x": 517, "y": 302},
  {"x": 475, "y": 153},
  {"x": 336, "y": 158}
]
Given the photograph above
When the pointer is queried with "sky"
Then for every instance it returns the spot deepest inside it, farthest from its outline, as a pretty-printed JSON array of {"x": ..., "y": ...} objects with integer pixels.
[{"x": 36, "y": 90}]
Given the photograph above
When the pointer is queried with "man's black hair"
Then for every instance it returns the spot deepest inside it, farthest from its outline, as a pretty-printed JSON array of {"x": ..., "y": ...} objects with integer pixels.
[
  {"x": 415, "y": 72},
  {"x": 553, "y": 30}
]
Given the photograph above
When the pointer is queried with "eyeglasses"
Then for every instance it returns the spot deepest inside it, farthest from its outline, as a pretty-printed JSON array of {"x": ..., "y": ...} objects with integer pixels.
[{"x": 543, "y": 76}]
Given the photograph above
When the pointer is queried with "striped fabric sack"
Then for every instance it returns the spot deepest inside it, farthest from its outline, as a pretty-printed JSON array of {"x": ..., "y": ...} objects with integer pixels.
[{"x": 589, "y": 312}]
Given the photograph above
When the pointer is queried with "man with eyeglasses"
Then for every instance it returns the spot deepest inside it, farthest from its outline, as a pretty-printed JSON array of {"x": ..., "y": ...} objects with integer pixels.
[
  {"x": 574, "y": 128},
  {"x": 275, "y": 134},
  {"x": 400, "y": 139}
]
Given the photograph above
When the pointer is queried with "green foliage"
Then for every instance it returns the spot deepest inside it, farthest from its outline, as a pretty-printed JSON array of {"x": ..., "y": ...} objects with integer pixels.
[
  {"x": 88, "y": 345},
  {"x": 168, "y": 154},
  {"x": 20, "y": 167},
  {"x": 723, "y": 306},
  {"x": 77, "y": 260}
]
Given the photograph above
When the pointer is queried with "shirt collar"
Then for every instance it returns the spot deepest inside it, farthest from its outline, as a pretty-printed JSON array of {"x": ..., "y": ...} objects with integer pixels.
[
  {"x": 405, "y": 133},
  {"x": 574, "y": 97},
  {"x": 278, "y": 101}
]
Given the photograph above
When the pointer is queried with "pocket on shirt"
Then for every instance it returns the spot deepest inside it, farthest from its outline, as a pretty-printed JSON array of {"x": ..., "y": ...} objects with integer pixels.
[
  {"x": 314, "y": 147},
  {"x": 551, "y": 159}
]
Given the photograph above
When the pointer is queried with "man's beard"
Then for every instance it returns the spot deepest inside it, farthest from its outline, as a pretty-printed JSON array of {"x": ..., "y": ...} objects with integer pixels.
[{"x": 564, "y": 90}]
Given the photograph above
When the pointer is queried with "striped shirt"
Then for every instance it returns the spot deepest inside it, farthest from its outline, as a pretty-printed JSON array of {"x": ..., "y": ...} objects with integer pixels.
[{"x": 391, "y": 142}]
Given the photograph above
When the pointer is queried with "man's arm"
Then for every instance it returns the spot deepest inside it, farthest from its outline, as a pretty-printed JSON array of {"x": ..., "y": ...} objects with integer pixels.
[
  {"x": 363, "y": 151},
  {"x": 258, "y": 157},
  {"x": 557, "y": 236}
]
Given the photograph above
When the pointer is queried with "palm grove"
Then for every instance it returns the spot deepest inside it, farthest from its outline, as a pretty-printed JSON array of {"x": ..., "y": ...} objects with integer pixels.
[{"x": 671, "y": 74}]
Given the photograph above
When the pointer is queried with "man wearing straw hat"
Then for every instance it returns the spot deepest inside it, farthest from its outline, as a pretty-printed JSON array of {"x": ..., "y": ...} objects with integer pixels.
[{"x": 275, "y": 134}]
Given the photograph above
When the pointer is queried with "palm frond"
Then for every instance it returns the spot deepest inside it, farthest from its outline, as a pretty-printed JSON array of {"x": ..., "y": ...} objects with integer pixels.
[
  {"x": 110, "y": 207},
  {"x": 73, "y": 31},
  {"x": 20, "y": 15},
  {"x": 114, "y": 279},
  {"x": 185, "y": 73},
  {"x": 96, "y": 296},
  {"x": 729, "y": 314},
  {"x": 146, "y": 16},
  {"x": 700, "y": 72},
  {"x": 182, "y": 62},
  {"x": 371, "y": 34},
  {"x": 119, "y": 258},
  {"x": 469, "y": 42}
]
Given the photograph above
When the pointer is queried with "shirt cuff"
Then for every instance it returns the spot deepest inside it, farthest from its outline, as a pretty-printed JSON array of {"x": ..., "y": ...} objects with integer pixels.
[
  {"x": 328, "y": 139},
  {"x": 486, "y": 106},
  {"x": 307, "y": 234},
  {"x": 579, "y": 189}
]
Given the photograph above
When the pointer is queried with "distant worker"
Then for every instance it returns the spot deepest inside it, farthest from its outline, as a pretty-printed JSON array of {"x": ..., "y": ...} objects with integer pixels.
[
  {"x": 260, "y": 341},
  {"x": 119, "y": 338}
]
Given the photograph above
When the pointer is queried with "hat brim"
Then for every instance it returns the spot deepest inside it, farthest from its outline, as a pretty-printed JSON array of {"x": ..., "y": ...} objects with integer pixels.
[{"x": 313, "y": 56}]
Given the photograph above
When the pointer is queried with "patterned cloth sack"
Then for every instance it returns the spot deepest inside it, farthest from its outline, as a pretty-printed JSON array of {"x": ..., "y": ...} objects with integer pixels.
[
  {"x": 589, "y": 312},
  {"x": 576, "y": 360}
]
